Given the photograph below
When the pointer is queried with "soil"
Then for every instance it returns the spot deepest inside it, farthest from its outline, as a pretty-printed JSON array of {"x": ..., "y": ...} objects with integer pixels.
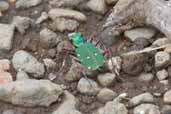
[{"x": 30, "y": 42}]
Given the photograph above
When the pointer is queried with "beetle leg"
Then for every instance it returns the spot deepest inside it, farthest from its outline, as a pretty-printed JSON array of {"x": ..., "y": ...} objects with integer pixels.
[
  {"x": 90, "y": 39},
  {"x": 75, "y": 59}
]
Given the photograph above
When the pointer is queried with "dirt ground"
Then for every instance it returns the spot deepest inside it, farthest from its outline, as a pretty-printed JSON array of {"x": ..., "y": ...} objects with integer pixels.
[{"x": 88, "y": 104}]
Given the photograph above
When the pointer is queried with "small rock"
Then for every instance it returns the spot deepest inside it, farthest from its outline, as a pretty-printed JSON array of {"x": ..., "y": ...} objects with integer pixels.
[
  {"x": 111, "y": 2},
  {"x": 167, "y": 97},
  {"x": 154, "y": 111},
  {"x": 141, "y": 43},
  {"x": 30, "y": 93},
  {"x": 164, "y": 82},
  {"x": 109, "y": 37},
  {"x": 49, "y": 63},
  {"x": 49, "y": 38},
  {"x": 166, "y": 109},
  {"x": 66, "y": 13},
  {"x": 22, "y": 60},
  {"x": 133, "y": 34},
  {"x": 4, "y": 64},
  {"x": 142, "y": 98},
  {"x": 51, "y": 53},
  {"x": 87, "y": 86},
  {"x": 64, "y": 45},
  {"x": 5, "y": 77},
  {"x": 27, "y": 3},
  {"x": 167, "y": 50},
  {"x": 21, "y": 23},
  {"x": 115, "y": 63},
  {"x": 106, "y": 95},
  {"x": 3, "y": 6},
  {"x": 146, "y": 77},
  {"x": 146, "y": 109},
  {"x": 62, "y": 24},
  {"x": 74, "y": 72},
  {"x": 133, "y": 64},
  {"x": 162, "y": 74},
  {"x": 161, "y": 59},
  {"x": 106, "y": 79},
  {"x": 113, "y": 107},
  {"x": 161, "y": 42},
  {"x": 44, "y": 16},
  {"x": 21, "y": 75},
  {"x": 97, "y": 6},
  {"x": 6, "y": 37},
  {"x": 69, "y": 104}
]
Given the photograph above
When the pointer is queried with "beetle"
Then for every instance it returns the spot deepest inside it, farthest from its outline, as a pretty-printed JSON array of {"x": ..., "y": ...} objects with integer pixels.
[{"x": 90, "y": 55}]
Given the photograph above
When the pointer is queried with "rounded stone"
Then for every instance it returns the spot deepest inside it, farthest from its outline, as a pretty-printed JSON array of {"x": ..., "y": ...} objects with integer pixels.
[
  {"x": 106, "y": 79},
  {"x": 161, "y": 59},
  {"x": 106, "y": 95}
]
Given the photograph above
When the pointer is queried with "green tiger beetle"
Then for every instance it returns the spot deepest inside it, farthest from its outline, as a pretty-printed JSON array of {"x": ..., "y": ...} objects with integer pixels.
[{"x": 88, "y": 54}]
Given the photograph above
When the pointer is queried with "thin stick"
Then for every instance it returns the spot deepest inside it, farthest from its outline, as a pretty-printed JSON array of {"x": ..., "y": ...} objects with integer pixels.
[{"x": 149, "y": 49}]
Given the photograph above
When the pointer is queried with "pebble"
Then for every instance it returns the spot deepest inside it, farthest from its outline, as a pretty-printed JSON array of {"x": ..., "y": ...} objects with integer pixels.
[
  {"x": 141, "y": 43},
  {"x": 64, "y": 45},
  {"x": 30, "y": 93},
  {"x": 4, "y": 64},
  {"x": 166, "y": 109},
  {"x": 62, "y": 24},
  {"x": 98, "y": 6},
  {"x": 21, "y": 75},
  {"x": 49, "y": 63},
  {"x": 167, "y": 50},
  {"x": 106, "y": 95},
  {"x": 109, "y": 37},
  {"x": 133, "y": 34},
  {"x": 142, "y": 98},
  {"x": 146, "y": 77},
  {"x": 21, "y": 23},
  {"x": 165, "y": 82},
  {"x": 68, "y": 106},
  {"x": 48, "y": 38},
  {"x": 161, "y": 41},
  {"x": 162, "y": 74},
  {"x": 113, "y": 107},
  {"x": 4, "y": 6},
  {"x": 6, "y": 37},
  {"x": 107, "y": 79},
  {"x": 51, "y": 53},
  {"x": 161, "y": 59},
  {"x": 146, "y": 109},
  {"x": 133, "y": 64},
  {"x": 167, "y": 97},
  {"x": 27, "y": 3},
  {"x": 5, "y": 77},
  {"x": 44, "y": 16},
  {"x": 66, "y": 13},
  {"x": 74, "y": 72},
  {"x": 88, "y": 87},
  {"x": 23, "y": 60}
]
